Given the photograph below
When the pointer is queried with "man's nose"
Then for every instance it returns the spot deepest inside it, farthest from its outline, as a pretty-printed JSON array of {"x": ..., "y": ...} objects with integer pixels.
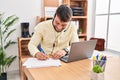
[{"x": 60, "y": 27}]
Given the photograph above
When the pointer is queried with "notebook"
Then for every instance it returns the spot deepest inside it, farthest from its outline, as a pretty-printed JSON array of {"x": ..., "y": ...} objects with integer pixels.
[{"x": 80, "y": 50}]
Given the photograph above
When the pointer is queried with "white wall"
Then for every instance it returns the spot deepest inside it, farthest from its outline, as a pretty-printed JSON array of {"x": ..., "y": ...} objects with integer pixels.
[
  {"x": 26, "y": 10},
  {"x": 91, "y": 18}
]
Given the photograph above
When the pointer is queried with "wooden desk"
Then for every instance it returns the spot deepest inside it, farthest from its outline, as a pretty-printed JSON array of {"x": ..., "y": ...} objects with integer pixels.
[{"x": 79, "y": 70}]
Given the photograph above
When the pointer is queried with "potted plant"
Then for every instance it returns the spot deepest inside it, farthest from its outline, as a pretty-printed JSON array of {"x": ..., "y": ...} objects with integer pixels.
[
  {"x": 79, "y": 30},
  {"x": 5, "y": 42},
  {"x": 99, "y": 63}
]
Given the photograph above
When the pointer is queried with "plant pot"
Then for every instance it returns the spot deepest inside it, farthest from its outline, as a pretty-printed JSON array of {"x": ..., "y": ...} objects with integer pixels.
[
  {"x": 97, "y": 76},
  {"x": 3, "y": 76}
]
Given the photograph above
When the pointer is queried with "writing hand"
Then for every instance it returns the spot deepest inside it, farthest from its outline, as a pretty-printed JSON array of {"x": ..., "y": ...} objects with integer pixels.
[
  {"x": 58, "y": 54},
  {"x": 41, "y": 56}
]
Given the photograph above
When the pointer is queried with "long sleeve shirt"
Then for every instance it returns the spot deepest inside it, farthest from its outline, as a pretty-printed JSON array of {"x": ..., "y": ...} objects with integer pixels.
[{"x": 50, "y": 40}]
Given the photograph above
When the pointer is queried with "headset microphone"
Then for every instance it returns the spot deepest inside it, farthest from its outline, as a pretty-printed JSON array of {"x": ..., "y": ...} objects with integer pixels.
[
  {"x": 64, "y": 30},
  {"x": 67, "y": 27}
]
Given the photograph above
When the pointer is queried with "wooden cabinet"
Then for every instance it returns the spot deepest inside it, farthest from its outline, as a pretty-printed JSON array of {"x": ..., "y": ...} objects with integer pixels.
[
  {"x": 82, "y": 19},
  {"x": 23, "y": 52}
]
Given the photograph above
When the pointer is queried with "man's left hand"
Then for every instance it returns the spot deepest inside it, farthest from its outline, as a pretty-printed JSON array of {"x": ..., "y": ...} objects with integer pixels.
[{"x": 58, "y": 54}]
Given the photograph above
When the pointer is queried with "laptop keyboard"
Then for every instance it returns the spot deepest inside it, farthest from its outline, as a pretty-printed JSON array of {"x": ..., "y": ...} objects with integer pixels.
[{"x": 64, "y": 58}]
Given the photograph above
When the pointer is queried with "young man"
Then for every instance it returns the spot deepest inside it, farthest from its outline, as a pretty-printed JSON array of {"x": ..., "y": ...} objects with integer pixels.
[{"x": 54, "y": 36}]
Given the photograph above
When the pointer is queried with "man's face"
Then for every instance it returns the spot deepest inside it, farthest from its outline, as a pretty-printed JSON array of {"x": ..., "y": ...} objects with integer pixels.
[{"x": 58, "y": 24}]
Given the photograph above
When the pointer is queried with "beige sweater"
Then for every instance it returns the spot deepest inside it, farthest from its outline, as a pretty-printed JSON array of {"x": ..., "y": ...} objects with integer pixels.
[{"x": 45, "y": 34}]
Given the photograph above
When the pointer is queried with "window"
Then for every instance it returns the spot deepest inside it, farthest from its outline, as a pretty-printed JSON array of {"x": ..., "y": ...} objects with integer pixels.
[{"x": 107, "y": 22}]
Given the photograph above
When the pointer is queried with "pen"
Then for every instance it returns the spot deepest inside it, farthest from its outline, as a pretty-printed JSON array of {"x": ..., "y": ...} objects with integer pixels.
[
  {"x": 100, "y": 57},
  {"x": 41, "y": 49},
  {"x": 105, "y": 58},
  {"x": 94, "y": 57},
  {"x": 103, "y": 61},
  {"x": 97, "y": 57}
]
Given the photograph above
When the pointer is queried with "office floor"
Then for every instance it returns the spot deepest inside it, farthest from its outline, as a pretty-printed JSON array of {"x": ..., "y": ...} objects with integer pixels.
[{"x": 14, "y": 75}]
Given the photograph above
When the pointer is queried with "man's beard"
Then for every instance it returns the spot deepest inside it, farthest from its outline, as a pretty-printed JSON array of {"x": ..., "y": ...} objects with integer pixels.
[{"x": 55, "y": 26}]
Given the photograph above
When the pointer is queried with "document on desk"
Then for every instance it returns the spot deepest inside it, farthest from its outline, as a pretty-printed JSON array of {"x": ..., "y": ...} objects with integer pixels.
[{"x": 34, "y": 63}]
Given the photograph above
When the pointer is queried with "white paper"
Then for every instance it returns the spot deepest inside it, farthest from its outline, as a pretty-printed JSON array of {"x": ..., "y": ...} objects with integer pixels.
[
  {"x": 50, "y": 11},
  {"x": 34, "y": 63}
]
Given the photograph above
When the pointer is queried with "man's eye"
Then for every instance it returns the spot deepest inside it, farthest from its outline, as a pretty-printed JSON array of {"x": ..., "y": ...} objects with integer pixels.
[{"x": 63, "y": 25}]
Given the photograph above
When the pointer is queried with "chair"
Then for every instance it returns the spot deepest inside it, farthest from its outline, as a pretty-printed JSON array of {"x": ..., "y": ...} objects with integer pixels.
[{"x": 23, "y": 52}]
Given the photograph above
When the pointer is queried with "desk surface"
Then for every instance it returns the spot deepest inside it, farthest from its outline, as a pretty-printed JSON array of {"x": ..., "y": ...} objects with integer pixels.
[{"x": 78, "y": 70}]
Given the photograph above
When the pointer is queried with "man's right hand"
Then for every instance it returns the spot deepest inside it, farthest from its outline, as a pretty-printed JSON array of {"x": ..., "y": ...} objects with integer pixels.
[{"x": 41, "y": 56}]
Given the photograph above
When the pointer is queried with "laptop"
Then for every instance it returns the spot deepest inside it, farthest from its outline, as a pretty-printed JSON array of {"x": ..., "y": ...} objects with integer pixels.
[{"x": 80, "y": 50}]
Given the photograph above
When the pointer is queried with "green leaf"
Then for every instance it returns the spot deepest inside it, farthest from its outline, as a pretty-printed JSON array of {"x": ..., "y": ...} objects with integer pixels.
[
  {"x": 10, "y": 60},
  {"x": 9, "y": 34},
  {"x": 10, "y": 23},
  {"x": 8, "y": 19},
  {"x": 97, "y": 69},
  {"x": 9, "y": 43},
  {"x": 2, "y": 56}
]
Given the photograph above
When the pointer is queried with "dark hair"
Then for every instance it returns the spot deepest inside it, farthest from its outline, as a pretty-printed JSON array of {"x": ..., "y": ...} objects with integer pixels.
[{"x": 64, "y": 13}]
